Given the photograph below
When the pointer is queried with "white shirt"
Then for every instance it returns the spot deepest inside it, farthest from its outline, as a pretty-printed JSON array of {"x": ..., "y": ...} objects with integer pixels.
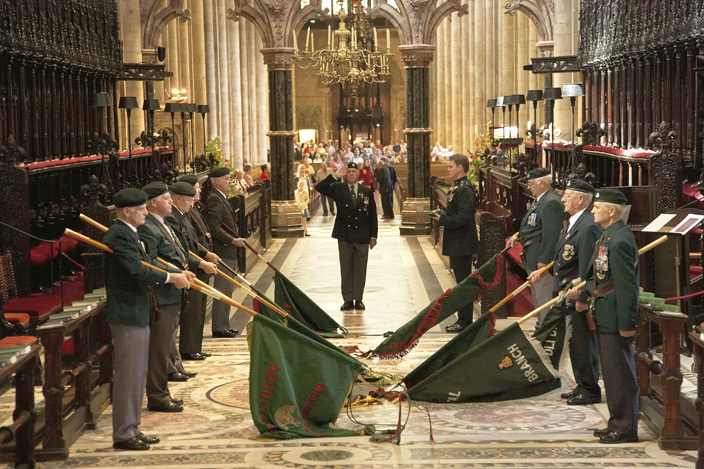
[
  {"x": 135, "y": 230},
  {"x": 356, "y": 189},
  {"x": 574, "y": 218}
]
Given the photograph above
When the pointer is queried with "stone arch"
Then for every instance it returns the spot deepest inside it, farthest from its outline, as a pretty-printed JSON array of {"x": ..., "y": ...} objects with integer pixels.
[{"x": 155, "y": 18}]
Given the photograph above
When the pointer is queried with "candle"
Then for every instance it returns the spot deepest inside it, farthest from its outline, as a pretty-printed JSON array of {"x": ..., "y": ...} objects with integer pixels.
[
  {"x": 388, "y": 39},
  {"x": 312, "y": 43},
  {"x": 376, "y": 41},
  {"x": 308, "y": 39},
  {"x": 295, "y": 42},
  {"x": 329, "y": 36},
  {"x": 354, "y": 38}
]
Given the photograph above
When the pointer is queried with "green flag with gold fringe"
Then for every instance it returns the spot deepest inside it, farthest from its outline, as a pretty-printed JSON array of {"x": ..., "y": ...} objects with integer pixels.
[
  {"x": 297, "y": 386},
  {"x": 299, "y": 305}
]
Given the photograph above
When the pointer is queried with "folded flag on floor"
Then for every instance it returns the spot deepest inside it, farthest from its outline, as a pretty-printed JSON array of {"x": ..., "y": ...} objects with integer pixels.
[
  {"x": 297, "y": 386},
  {"x": 406, "y": 337}
]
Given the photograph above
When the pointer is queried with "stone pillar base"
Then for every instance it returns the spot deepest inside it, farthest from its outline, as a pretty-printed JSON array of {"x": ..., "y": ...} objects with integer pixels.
[
  {"x": 414, "y": 217},
  {"x": 285, "y": 219}
]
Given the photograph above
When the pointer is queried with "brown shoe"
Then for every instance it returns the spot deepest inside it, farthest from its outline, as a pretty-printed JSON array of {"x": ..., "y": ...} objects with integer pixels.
[{"x": 359, "y": 306}]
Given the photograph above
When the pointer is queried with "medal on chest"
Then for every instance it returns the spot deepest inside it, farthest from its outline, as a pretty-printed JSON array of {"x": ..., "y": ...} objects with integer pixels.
[
  {"x": 452, "y": 196},
  {"x": 601, "y": 262},
  {"x": 568, "y": 252},
  {"x": 533, "y": 219}
]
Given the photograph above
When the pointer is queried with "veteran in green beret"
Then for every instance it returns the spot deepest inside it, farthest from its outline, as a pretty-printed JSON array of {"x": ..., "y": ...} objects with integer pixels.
[{"x": 128, "y": 286}]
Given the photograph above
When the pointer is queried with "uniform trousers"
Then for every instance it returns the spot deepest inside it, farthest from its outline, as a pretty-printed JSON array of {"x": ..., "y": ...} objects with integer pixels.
[
  {"x": 327, "y": 201},
  {"x": 583, "y": 352},
  {"x": 542, "y": 293},
  {"x": 619, "y": 371},
  {"x": 353, "y": 268},
  {"x": 193, "y": 319},
  {"x": 221, "y": 310},
  {"x": 462, "y": 268},
  {"x": 131, "y": 352},
  {"x": 160, "y": 346}
]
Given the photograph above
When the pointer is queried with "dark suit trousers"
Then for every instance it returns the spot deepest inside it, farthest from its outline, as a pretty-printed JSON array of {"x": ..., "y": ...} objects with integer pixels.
[
  {"x": 386, "y": 205},
  {"x": 221, "y": 311},
  {"x": 160, "y": 341},
  {"x": 619, "y": 372},
  {"x": 193, "y": 320},
  {"x": 583, "y": 353},
  {"x": 462, "y": 267},
  {"x": 327, "y": 202},
  {"x": 353, "y": 269}
]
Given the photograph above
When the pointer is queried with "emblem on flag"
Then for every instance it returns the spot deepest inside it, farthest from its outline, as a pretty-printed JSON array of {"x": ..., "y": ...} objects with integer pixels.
[{"x": 505, "y": 363}]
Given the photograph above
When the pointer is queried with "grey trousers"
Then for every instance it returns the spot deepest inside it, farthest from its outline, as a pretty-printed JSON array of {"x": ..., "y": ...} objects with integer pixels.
[
  {"x": 193, "y": 320},
  {"x": 542, "y": 293},
  {"x": 131, "y": 353},
  {"x": 221, "y": 311},
  {"x": 160, "y": 345},
  {"x": 583, "y": 353},
  {"x": 621, "y": 385},
  {"x": 353, "y": 269}
]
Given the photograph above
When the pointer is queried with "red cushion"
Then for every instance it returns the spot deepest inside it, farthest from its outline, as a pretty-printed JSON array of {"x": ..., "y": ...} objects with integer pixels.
[
  {"x": 34, "y": 306},
  {"x": 17, "y": 318},
  {"x": 13, "y": 340},
  {"x": 515, "y": 253}
]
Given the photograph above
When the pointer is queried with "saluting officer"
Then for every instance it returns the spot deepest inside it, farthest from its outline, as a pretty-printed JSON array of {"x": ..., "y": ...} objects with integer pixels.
[
  {"x": 539, "y": 231},
  {"x": 613, "y": 285},
  {"x": 575, "y": 249},
  {"x": 459, "y": 240},
  {"x": 129, "y": 301},
  {"x": 355, "y": 229}
]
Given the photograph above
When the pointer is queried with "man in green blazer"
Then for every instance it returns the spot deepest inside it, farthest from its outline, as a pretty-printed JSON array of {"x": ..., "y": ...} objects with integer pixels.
[
  {"x": 129, "y": 300},
  {"x": 538, "y": 234}
]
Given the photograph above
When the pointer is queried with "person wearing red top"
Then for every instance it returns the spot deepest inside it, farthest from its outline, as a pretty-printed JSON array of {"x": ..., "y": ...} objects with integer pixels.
[
  {"x": 366, "y": 176},
  {"x": 265, "y": 172}
]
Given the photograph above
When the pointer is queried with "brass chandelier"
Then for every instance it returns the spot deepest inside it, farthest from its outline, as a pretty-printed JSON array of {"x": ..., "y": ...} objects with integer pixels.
[{"x": 343, "y": 60}]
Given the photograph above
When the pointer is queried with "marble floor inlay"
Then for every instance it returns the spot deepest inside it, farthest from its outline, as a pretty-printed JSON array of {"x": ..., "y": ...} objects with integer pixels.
[{"x": 404, "y": 275}]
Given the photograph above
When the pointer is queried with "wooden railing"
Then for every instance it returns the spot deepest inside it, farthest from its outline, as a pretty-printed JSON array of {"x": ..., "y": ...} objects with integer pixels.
[{"x": 253, "y": 214}]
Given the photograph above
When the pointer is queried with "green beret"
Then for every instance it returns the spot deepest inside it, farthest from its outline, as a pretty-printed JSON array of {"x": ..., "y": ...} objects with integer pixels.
[
  {"x": 578, "y": 185},
  {"x": 155, "y": 189},
  {"x": 611, "y": 196},
  {"x": 183, "y": 188},
  {"x": 219, "y": 172},
  {"x": 538, "y": 173},
  {"x": 130, "y": 197},
  {"x": 191, "y": 179},
  {"x": 352, "y": 164}
]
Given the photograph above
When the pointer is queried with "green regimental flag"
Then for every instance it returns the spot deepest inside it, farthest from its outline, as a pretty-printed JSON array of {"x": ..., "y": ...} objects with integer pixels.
[
  {"x": 554, "y": 335},
  {"x": 508, "y": 361},
  {"x": 292, "y": 300},
  {"x": 468, "y": 290},
  {"x": 297, "y": 386}
]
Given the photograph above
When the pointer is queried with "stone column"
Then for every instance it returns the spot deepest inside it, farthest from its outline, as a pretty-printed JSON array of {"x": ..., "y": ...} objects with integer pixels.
[
  {"x": 131, "y": 37},
  {"x": 235, "y": 87},
  {"x": 262, "y": 114},
  {"x": 210, "y": 72},
  {"x": 246, "y": 76},
  {"x": 224, "y": 78},
  {"x": 455, "y": 86},
  {"x": 417, "y": 58},
  {"x": 199, "y": 64},
  {"x": 285, "y": 216}
]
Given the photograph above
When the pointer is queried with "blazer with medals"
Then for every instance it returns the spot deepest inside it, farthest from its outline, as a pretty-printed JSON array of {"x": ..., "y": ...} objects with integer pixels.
[
  {"x": 128, "y": 282},
  {"x": 186, "y": 235},
  {"x": 159, "y": 246},
  {"x": 575, "y": 249},
  {"x": 540, "y": 230},
  {"x": 458, "y": 218},
  {"x": 220, "y": 213},
  {"x": 615, "y": 260},
  {"x": 356, "y": 220}
]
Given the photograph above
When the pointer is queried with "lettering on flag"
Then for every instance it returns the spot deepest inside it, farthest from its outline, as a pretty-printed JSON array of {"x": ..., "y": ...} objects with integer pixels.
[
  {"x": 525, "y": 366},
  {"x": 454, "y": 396}
]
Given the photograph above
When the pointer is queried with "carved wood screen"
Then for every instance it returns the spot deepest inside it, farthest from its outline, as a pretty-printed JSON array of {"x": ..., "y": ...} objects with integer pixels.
[{"x": 639, "y": 62}]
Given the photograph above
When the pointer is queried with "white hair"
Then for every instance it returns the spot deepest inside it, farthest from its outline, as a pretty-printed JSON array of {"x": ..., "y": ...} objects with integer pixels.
[{"x": 546, "y": 179}]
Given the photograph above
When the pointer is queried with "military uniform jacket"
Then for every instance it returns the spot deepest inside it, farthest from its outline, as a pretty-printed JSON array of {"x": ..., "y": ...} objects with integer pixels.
[
  {"x": 458, "y": 218},
  {"x": 221, "y": 213},
  {"x": 201, "y": 228},
  {"x": 180, "y": 224},
  {"x": 356, "y": 220},
  {"x": 540, "y": 230},
  {"x": 615, "y": 260},
  {"x": 158, "y": 246},
  {"x": 128, "y": 282},
  {"x": 575, "y": 249}
]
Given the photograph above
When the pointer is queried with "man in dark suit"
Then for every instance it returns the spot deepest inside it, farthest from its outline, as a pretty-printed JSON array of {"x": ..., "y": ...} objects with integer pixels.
[
  {"x": 355, "y": 230},
  {"x": 129, "y": 301},
  {"x": 612, "y": 283},
  {"x": 460, "y": 233},
  {"x": 162, "y": 242},
  {"x": 386, "y": 188},
  {"x": 575, "y": 249},
  {"x": 190, "y": 343},
  {"x": 220, "y": 215},
  {"x": 539, "y": 231}
]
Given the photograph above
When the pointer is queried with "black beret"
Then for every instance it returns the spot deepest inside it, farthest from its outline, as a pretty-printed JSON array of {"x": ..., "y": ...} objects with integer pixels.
[
  {"x": 191, "y": 179},
  {"x": 611, "y": 196},
  {"x": 579, "y": 185},
  {"x": 183, "y": 188},
  {"x": 219, "y": 172},
  {"x": 155, "y": 189},
  {"x": 352, "y": 164},
  {"x": 538, "y": 173},
  {"x": 130, "y": 197}
]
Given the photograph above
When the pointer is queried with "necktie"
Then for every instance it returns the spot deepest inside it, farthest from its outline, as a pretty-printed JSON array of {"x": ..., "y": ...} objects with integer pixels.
[
  {"x": 180, "y": 250},
  {"x": 140, "y": 246}
]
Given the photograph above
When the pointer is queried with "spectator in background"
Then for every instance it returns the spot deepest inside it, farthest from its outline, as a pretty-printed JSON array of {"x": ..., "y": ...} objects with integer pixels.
[
  {"x": 265, "y": 172},
  {"x": 326, "y": 201},
  {"x": 297, "y": 153},
  {"x": 318, "y": 158},
  {"x": 240, "y": 184},
  {"x": 302, "y": 175},
  {"x": 248, "y": 175},
  {"x": 336, "y": 162},
  {"x": 397, "y": 148},
  {"x": 357, "y": 158},
  {"x": 386, "y": 188},
  {"x": 366, "y": 176},
  {"x": 302, "y": 200}
]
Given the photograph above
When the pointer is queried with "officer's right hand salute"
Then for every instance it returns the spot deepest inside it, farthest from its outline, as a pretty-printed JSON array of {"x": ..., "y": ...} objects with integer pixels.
[
  {"x": 180, "y": 280},
  {"x": 340, "y": 173}
]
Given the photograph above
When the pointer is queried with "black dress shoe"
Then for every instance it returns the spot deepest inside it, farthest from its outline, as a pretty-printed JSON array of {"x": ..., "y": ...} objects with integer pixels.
[
  {"x": 189, "y": 374},
  {"x": 584, "y": 399},
  {"x": 457, "y": 327},
  {"x": 565, "y": 395},
  {"x": 359, "y": 306},
  {"x": 192, "y": 356},
  {"x": 205, "y": 354},
  {"x": 614, "y": 438},
  {"x": 228, "y": 334},
  {"x": 177, "y": 401},
  {"x": 601, "y": 432},
  {"x": 347, "y": 306},
  {"x": 170, "y": 407},
  {"x": 133, "y": 444},
  {"x": 150, "y": 440},
  {"x": 234, "y": 331},
  {"x": 177, "y": 377}
]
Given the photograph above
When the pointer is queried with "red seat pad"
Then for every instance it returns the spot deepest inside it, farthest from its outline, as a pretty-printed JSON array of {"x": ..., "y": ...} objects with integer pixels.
[
  {"x": 17, "y": 318},
  {"x": 34, "y": 306}
]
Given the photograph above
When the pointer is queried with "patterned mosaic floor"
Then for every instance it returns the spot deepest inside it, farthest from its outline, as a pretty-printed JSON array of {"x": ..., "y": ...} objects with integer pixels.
[{"x": 216, "y": 429}]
